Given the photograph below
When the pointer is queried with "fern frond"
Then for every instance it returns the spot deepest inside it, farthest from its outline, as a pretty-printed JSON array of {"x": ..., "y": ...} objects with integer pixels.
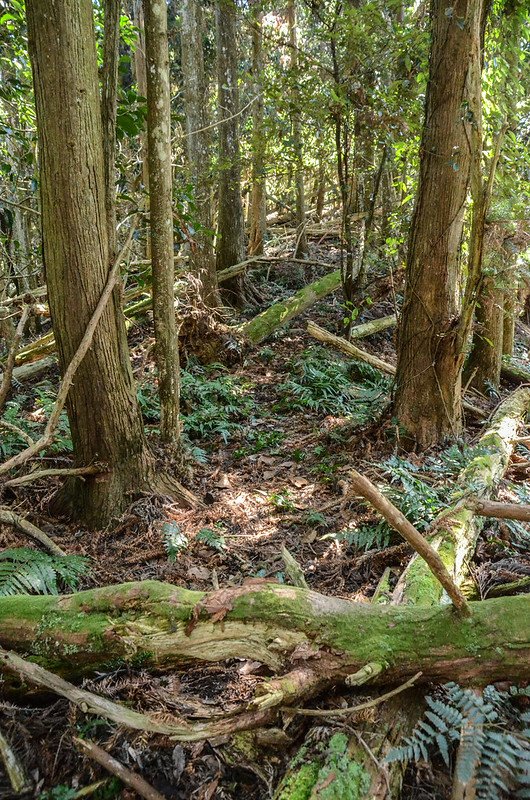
[{"x": 27, "y": 571}]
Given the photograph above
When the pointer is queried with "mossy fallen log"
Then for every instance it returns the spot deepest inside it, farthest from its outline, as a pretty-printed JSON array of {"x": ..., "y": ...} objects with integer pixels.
[
  {"x": 162, "y": 626},
  {"x": 258, "y": 328},
  {"x": 454, "y": 534},
  {"x": 373, "y": 326},
  {"x": 514, "y": 372}
]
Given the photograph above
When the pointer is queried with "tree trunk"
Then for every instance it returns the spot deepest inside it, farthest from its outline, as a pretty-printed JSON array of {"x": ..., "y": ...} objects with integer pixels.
[
  {"x": 231, "y": 225},
  {"x": 161, "y": 217},
  {"x": 166, "y": 626},
  {"x": 109, "y": 101},
  {"x": 427, "y": 402},
  {"x": 104, "y": 416},
  {"x": 202, "y": 256},
  {"x": 258, "y": 212},
  {"x": 140, "y": 73},
  {"x": 301, "y": 249}
]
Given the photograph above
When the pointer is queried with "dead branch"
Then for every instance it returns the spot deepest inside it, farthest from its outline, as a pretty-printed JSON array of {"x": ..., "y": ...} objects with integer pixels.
[
  {"x": 79, "y": 472},
  {"x": 127, "y": 776},
  {"x": 363, "y": 486},
  {"x": 8, "y": 517},
  {"x": 491, "y": 508},
  {"x": 5, "y": 386},
  {"x": 47, "y": 437}
]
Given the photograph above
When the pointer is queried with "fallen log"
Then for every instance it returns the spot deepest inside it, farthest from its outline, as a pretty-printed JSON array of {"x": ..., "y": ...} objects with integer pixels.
[
  {"x": 372, "y": 326},
  {"x": 514, "y": 372},
  {"x": 455, "y": 532},
  {"x": 166, "y": 626},
  {"x": 355, "y": 352},
  {"x": 258, "y": 328}
]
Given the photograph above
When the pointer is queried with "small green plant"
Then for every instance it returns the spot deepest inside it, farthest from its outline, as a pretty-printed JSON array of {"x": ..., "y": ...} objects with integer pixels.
[
  {"x": 266, "y": 354},
  {"x": 212, "y": 538},
  {"x": 493, "y": 738},
  {"x": 282, "y": 500},
  {"x": 59, "y": 792},
  {"x": 174, "y": 540},
  {"x": 27, "y": 571},
  {"x": 328, "y": 385},
  {"x": 315, "y": 518},
  {"x": 259, "y": 441}
]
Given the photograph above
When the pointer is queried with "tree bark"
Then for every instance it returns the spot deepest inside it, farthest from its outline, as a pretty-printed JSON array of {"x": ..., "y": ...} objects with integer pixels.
[
  {"x": 198, "y": 155},
  {"x": 427, "y": 401},
  {"x": 258, "y": 211},
  {"x": 161, "y": 217},
  {"x": 231, "y": 225},
  {"x": 109, "y": 106},
  {"x": 301, "y": 249},
  {"x": 105, "y": 419}
]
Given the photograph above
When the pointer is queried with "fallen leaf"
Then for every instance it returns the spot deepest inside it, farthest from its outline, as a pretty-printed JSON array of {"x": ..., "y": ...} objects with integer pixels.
[
  {"x": 298, "y": 481},
  {"x": 223, "y": 482}
]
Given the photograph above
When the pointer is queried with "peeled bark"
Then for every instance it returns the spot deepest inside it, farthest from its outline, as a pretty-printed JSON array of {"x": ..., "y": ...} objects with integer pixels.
[
  {"x": 167, "y": 626},
  {"x": 231, "y": 225},
  {"x": 161, "y": 217},
  {"x": 428, "y": 396},
  {"x": 198, "y": 155}
]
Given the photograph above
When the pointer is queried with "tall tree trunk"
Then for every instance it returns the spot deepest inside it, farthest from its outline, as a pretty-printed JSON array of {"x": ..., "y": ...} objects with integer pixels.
[
  {"x": 301, "y": 249},
  {"x": 140, "y": 74},
  {"x": 198, "y": 155},
  {"x": 427, "y": 402},
  {"x": 231, "y": 225},
  {"x": 258, "y": 213},
  {"x": 104, "y": 416},
  {"x": 161, "y": 216},
  {"x": 109, "y": 103}
]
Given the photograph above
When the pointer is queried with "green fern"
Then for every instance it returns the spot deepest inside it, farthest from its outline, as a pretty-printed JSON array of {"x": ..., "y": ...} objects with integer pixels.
[
  {"x": 27, "y": 571},
  {"x": 494, "y": 740}
]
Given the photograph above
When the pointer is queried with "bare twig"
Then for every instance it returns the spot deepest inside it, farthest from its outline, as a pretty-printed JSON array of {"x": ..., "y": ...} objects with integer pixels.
[
  {"x": 94, "y": 469},
  {"x": 363, "y": 486},
  {"x": 8, "y": 517},
  {"x": 112, "y": 765},
  {"x": 86, "y": 341},
  {"x": 339, "y": 712},
  {"x": 15, "y": 429},
  {"x": 5, "y": 386},
  {"x": 15, "y": 771}
]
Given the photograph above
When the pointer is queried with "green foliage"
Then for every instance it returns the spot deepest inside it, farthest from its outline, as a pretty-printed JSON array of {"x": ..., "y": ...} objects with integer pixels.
[
  {"x": 31, "y": 416},
  {"x": 323, "y": 383},
  {"x": 175, "y": 541},
  {"x": 494, "y": 740},
  {"x": 59, "y": 792},
  {"x": 259, "y": 441},
  {"x": 27, "y": 571},
  {"x": 212, "y": 538},
  {"x": 282, "y": 500},
  {"x": 212, "y": 403}
]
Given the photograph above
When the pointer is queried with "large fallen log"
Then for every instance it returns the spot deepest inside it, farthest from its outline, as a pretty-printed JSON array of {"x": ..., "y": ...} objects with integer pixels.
[
  {"x": 258, "y": 328},
  {"x": 454, "y": 534},
  {"x": 281, "y": 626}
]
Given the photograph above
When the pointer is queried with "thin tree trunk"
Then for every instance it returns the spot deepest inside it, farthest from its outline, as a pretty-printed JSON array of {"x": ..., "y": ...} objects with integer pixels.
[
  {"x": 231, "y": 226},
  {"x": 258, "y": 212},
  {"x": 161, "y": 216},
  {"x": 140, "y": 73},
  {"x": 301, "y": 249},
  {"x": 109, "y": 103},
  {"x": 202, "y": 256}
]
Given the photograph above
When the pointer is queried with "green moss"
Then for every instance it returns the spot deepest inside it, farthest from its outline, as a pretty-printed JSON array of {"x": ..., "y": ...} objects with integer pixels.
[{"x": 299, "y": 785}]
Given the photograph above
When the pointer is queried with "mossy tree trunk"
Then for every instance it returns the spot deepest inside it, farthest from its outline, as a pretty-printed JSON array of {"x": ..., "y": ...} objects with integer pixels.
[
  {"x": 161, "y": 217},
  {"x": 104, "y": 415},
  {"x": 198, "y": 155},
  {"x": 230, "y": 225}
]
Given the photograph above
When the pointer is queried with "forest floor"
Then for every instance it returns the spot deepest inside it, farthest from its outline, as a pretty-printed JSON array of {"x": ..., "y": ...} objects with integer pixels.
[{"x": 276, "y": 439}]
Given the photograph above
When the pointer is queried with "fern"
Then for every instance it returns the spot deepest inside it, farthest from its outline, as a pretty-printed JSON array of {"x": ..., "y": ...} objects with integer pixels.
[
  {"x": 27, "y": 571},
  {"x": 494, "y": 740},
  {"x": 211, "y": 538},
  {"x": 174, "y": 540}
]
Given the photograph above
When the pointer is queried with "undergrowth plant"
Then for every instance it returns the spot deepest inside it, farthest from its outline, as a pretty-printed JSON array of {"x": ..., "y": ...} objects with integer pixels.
[
  {"x": 492, "y": 735},
  {"x": 213, "y": 403},
  {"x": 27, "y": 571},
  {"x": 30, "y": 415},
  {"x": 329, "y": 385}
]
